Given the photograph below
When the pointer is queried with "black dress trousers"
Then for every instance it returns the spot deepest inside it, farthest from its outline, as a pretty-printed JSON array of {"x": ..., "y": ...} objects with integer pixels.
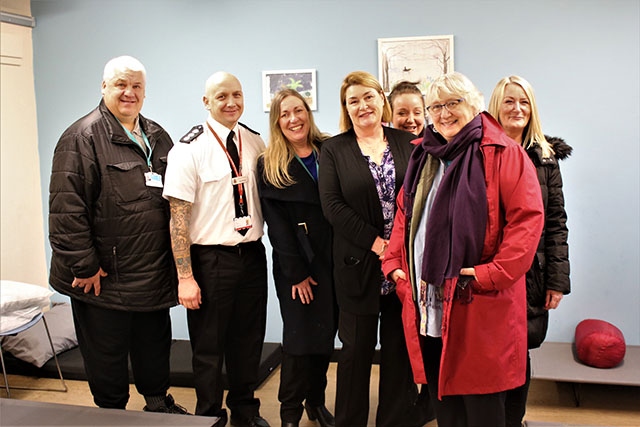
[
  {"x": 229, "y": 326},
  {"x": 398, "y": 402},
  {"x": 108, "y": 338}
]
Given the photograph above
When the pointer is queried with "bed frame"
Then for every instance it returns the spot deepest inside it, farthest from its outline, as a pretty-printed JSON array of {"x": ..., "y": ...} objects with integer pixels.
[{"x": 557, "y": 361}]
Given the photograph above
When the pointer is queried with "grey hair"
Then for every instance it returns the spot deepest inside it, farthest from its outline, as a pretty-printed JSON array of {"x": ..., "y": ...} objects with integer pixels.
[
  {"x": 122, "y": 64},
  {"x": 455, "y": 85}
]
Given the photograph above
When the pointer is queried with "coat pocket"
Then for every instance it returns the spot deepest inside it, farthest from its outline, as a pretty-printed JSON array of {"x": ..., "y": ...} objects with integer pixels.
[
  {"x": 127, "y": 181},
  {"x": 352, "y": 273},
  {"x": 302, "y": 233}
]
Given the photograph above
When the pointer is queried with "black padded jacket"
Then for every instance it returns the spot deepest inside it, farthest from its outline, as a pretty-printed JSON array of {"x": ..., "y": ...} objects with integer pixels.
[
  {"x": 102, "y": 214},
  {"x": 550, "y": 268}
]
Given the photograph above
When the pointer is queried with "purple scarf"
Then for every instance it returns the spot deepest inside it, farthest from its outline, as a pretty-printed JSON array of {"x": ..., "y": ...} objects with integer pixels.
[{"x": 457, "y": 221}]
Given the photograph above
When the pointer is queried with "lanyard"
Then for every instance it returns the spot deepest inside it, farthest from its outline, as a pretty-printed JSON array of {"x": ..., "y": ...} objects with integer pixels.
[
  {"x": 237, "y": 172},
  {"x": 315, "y": 158},
  {"x": 148, "y": 152}
]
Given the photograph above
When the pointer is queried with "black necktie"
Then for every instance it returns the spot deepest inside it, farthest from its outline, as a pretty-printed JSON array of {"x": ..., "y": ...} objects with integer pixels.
[
  {"x": 233, "y": 153},
  {"x": 232, "y": 149}
]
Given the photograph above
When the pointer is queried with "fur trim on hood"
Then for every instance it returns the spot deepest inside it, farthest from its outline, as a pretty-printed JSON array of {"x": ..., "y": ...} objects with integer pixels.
[{"x": 561, "y": 148}]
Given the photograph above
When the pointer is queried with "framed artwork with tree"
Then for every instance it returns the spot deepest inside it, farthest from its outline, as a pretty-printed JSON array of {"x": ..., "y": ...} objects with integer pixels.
[
  {"x": 415, "y": 59},
  {"x": 303, "y": 81}
]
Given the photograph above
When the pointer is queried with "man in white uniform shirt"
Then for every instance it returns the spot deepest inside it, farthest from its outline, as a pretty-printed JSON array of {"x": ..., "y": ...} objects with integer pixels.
[{"x": 216, "y": 230}]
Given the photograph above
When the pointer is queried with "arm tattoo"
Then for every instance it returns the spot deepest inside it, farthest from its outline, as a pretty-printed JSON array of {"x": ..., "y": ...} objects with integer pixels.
[{"x": 180, "y": 240}]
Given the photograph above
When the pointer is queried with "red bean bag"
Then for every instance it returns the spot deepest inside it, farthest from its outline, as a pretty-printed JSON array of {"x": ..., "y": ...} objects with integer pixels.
[{"x": 599, "y": 344}]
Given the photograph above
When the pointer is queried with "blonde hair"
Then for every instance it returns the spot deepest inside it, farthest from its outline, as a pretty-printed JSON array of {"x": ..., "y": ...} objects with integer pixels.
[
  {"x": 279, "y": 152},
  {"x": 455, "y": 85},
  {"x": 361, "y": 78},
  {"x": 532, "y": 133}
]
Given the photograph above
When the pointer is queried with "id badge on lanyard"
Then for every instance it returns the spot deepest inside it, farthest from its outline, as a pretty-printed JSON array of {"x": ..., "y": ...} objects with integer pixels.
[
  {"x": 242, "y": 222},
  {"x": 151, "y": 178}
]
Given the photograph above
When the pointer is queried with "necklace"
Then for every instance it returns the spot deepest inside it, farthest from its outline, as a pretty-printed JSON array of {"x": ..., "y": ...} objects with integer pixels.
[{"x": 374, "y": 150}]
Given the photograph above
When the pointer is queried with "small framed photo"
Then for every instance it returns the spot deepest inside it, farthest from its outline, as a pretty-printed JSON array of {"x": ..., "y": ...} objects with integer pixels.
[
  {"x": 415, "y": 59},
  {"x": 304, "y": 81}
]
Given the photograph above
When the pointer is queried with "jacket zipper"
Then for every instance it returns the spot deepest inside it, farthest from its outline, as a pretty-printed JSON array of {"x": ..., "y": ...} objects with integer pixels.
[{"x": 114, "y": 252}]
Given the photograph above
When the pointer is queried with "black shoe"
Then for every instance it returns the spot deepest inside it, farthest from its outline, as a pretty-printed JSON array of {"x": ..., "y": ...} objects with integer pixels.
[
  {"x": 426, "y": 406},
  {"x": 255, "y": 421},
  {"x": 222, "y": 418},
  {"x": 222, "y": 422},
  {"x": 321, "y": 414},
  {"x": 290, "y": 424},
  {"x": 169, "y": 407}
]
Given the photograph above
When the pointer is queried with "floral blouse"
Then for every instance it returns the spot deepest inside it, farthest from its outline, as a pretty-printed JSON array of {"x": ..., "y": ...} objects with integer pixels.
[{"x": 384, "y": 176}]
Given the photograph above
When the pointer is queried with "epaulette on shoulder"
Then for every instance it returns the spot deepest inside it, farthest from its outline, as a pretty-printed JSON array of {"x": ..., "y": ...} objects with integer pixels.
[
  {"x": 248, "y": 128},
  {"x": 192, "y": 134}
]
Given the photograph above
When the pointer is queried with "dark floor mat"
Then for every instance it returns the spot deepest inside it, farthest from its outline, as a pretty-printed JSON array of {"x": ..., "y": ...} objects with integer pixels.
[{"x": 72, "y": 365}]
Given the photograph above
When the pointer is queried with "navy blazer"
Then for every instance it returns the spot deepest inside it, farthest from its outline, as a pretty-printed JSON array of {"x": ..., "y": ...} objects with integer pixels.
[{"x": 350, "y": 203}]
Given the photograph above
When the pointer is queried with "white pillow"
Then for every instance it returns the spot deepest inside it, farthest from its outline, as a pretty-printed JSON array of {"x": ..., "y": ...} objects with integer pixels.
[
  {"x": 33, "y": 345},
  {"x": 18, "y": 295},
  {"x": 18, "y": 318},
  {"x": 20, "y": 302}
]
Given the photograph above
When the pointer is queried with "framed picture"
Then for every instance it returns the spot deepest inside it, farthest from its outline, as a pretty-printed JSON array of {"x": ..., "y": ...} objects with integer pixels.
[
  {"x": 416, "y": 59},
  {"x": 304, "y": 81}
]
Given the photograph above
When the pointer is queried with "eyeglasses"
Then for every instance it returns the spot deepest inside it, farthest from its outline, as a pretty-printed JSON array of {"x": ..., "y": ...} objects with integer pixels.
[{"x": 451, "y": 106}]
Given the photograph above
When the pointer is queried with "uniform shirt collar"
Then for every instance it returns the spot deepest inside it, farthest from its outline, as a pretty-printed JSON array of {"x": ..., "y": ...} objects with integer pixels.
[{"x": 221, "y": 129}]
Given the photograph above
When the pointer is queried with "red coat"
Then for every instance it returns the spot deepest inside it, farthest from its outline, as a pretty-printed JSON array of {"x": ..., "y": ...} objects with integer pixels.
[{"x": 484, "y": 342}]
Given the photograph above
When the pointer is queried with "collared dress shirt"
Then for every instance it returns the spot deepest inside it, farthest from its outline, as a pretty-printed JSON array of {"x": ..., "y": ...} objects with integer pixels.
[{"x": 199, "y": 172}]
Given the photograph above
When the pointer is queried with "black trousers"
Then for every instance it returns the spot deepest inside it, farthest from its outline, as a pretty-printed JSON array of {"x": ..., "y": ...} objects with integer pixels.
[
  {"x": 302, "y": 378},
  {"x": 473, "y": 410},
  {"x": 516, "y": 401},
  {"x": 109, "y": 338},
  {"x": 229, "y": 326},
  {"x": 398, "y": 403}
]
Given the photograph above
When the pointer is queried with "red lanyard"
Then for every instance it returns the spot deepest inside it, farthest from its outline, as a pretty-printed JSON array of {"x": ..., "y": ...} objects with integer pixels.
[{"x": 237, "y": 172}]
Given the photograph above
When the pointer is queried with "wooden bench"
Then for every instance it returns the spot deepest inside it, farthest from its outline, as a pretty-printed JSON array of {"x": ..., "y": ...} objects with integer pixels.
[{"x": 557, "y": 361}]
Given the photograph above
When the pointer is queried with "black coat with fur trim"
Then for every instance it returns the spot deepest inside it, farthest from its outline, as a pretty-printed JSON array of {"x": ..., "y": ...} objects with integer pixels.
[{"x": 550, "y": 268}]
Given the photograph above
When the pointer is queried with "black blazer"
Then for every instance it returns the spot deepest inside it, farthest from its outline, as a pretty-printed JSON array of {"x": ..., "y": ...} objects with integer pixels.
[
  {"x": 300, "y": 251},
  {"x": 351, "y": 205}
]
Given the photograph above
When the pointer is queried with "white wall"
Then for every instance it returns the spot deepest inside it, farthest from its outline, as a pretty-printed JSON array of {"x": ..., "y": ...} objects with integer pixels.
[
  {"x": 582, "y": 57},
  {"x": 21, "y": 230}
]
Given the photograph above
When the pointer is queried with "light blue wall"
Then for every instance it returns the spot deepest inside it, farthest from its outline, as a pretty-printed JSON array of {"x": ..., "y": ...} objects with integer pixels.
[{"x": 582, "y": 57}]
